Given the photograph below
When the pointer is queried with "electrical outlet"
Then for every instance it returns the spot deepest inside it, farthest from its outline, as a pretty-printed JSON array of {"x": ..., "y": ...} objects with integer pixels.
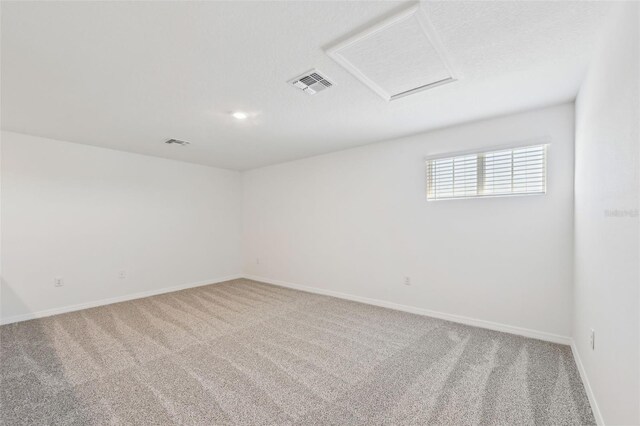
[
  {"x": 407, "y": 280},
  {"x": 257, "y": 260},
  {"x": 122, "y": 275},
  {"x": 58, "y": 282},
  {"x": 592, "y": 339}
]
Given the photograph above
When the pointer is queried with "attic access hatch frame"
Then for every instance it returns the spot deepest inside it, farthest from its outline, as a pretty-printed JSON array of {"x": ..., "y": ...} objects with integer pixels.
[{"x": 335, "y": 52}]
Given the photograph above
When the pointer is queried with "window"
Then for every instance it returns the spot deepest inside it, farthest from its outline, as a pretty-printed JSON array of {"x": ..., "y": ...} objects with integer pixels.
[{"x": 514, "y": 171}]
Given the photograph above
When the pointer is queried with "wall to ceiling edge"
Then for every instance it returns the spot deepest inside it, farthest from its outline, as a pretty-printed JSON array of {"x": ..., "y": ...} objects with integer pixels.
[
  {"x": 355, "y": 223},
  {"x": 86, "y": 214}
]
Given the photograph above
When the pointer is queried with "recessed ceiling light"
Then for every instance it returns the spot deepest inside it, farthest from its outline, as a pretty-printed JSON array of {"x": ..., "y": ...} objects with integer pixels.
[{"x": 239, "y": 115}]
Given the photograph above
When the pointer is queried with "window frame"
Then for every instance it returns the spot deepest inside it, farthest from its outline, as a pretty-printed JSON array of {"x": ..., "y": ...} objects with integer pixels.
[{"x": 480, "y": 170}]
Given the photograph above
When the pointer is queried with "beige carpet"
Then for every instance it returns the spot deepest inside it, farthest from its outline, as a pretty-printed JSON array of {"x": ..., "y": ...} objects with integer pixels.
[{"x": 247, "y": 353}]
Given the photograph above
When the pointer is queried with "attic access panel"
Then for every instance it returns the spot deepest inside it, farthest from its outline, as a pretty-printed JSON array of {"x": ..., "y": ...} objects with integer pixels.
[{"x": 397, "y": 57}]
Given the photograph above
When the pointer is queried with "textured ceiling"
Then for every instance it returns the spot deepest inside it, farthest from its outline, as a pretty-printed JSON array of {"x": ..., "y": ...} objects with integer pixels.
[{"x": 129, "y": 75}]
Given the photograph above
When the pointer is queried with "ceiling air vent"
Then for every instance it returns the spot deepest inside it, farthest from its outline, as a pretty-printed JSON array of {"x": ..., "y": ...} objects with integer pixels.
[
  {"x": 177, "y": 142},
  {"x": 311, "y": 82}
]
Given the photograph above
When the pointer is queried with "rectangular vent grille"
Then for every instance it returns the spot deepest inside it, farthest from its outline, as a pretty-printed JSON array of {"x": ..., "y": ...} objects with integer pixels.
[
  {"x": 177, "y": 142},
  {"x": 311, "y": 82}
]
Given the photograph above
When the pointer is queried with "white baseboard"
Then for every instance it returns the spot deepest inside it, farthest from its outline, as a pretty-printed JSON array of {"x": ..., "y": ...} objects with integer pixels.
[
  {"x": 550, "y": 337},
  {"x": 93, "y": 304},
  {"x": 376, "y": 302},
  {"x": 587, "y": 385},
  {"x": 541, "y": 335}
]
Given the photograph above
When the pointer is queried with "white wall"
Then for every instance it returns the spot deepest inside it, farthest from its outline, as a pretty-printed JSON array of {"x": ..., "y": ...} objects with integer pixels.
[
  {"x": 357, "y": 222},
  {"x": 607, "y": 274},
  {"x": 85, "y": 213}
]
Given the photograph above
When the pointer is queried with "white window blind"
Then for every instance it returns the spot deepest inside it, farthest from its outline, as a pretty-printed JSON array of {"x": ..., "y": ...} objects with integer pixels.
[{"x": 514, "y": 171}]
